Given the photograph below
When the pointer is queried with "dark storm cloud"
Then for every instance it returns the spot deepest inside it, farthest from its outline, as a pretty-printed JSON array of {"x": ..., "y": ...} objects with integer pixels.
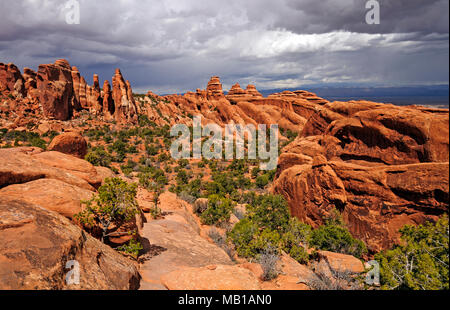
[
  {"x": 176, "y": 45},
  {"x": 397, "y": 16}
]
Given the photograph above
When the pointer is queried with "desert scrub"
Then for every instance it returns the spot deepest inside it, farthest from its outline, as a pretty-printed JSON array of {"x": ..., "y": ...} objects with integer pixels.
[
  {"x": 133, "y": 248},
  {"x": 269, "y": 211},
  {"x": 184, "y": 195},
  {"x": 218, "y": 211},
  {"x": 296, "y": 239},
  {"x": 99, "y": 157},
  {"x": 268, "y": 260},
  {"x": 242, "y": 236},
  {"x": 262, "y": 181},
  {"x": 114, "y": 205},
  {"x": 268, "y": 222},
  {"x": 27, "y": 137},
  {"x": 221, "y": 241},
  {"x": 335, "y": 237},
  {"x": 421, "y": 261}
]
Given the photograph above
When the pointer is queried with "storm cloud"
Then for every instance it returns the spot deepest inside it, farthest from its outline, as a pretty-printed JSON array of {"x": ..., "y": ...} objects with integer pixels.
[{"x": 176, "y": 45}]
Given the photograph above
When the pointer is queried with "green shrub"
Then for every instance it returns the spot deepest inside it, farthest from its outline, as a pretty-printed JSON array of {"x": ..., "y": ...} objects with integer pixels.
[
  {"x": 98, "y": 157},
  {"x": 143, "y": 120},
  {"x": 421, "y": 261},
  {"x": 163, "y": 157},
  {"x": 255, "y": 172},
  {"x": 242, "y": 236},
  {"x": 296, "y": 239},
  {"x": 132, "y": 248},
  {"x": 264, "y": 239},
  {"x": 299, "y": 254},
  {"x": 262, "y": 181},
  {"x": 182, "y": 177},
  {"x": 38, "y": 142},
  {"x": 269, "y": 211},
  {"x": 336, "y": 238},
  {"x": 183, "y": 163},
  {"x": 151, "y": 150},
  {"x": 218, "y": 211},
  {"x": 115, "y": 205}
]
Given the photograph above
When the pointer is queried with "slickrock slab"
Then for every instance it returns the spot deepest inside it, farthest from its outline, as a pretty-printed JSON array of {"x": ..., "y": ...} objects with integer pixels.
[
  {"x": 214, "y": 277},
  {"x": 183, "y": 245},
  {"x": 51, "y": 194}
]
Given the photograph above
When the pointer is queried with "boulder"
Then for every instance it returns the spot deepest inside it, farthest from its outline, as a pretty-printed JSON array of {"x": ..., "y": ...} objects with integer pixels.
[
  {"x": 37, "y": 245},
  {"x": 25, "y": 164},
  {"x": 73, "y": 165},
  {"x": 71, "y": 143},
  {"x": 19, "y": 165}
]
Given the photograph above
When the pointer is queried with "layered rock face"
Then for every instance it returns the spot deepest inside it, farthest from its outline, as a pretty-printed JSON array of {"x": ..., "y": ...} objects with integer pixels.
[
  {"x": 62, "y": 92},
  {"x": 381, "y": 165},
  {"x": 214, "y": 88}
]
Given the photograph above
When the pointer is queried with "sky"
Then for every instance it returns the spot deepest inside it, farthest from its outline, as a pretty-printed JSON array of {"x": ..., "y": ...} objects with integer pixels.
[{"x": 173, "y": 46}]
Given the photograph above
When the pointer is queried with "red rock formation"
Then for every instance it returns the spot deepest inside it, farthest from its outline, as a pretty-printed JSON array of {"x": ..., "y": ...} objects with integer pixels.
[
  {"x": 95, "y": 96},
  {"x": 125, "y": 106},
  {"x": 11, "y": 80},
  {"x": 55, "y": 87},
  {"x": 251, "y": 90},
  {"x": 76, "y": 80},
  {"x": 383, "y": 166},
  {"x": 214, "y": 88},
  {"x": 236, "y": 90},
  {"x": 60, "y": 90},
  {"x": 30, "y": 78},
  {"x": 108, "y": 103},
  {"x": 237, "y": 94},
  {"x": 86, "y": 97}
]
